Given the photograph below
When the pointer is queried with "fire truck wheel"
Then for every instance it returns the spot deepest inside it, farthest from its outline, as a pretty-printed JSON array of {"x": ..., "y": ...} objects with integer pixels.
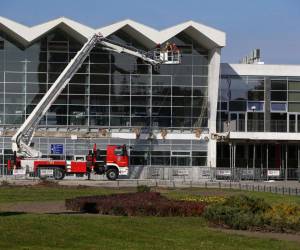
[
  {"x": 112, "y": 174},
  {"x": 58, "y": 174}
]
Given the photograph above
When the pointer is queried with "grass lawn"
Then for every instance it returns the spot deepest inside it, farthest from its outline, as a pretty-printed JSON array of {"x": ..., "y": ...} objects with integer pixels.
[
  {"x": 269, "y": 197},
  {"x": 82, "y": 231},
  {"x": 30, "y": 231},
  {"x": 10, "y": 194}
]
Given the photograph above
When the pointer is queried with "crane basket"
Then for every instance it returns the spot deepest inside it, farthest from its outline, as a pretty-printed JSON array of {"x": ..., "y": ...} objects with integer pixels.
[{"x": 168, "y": 54}]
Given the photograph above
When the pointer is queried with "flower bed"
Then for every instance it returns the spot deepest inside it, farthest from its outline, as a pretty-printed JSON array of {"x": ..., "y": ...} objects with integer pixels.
[{"x": 135, "y": 204}]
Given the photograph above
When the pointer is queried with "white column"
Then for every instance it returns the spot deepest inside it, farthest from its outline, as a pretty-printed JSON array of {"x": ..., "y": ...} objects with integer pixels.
[{"x": 213, "y": 87}]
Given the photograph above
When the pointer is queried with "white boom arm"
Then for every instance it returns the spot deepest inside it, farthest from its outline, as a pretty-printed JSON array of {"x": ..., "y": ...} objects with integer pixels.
[{"x": 22, "y": 139}]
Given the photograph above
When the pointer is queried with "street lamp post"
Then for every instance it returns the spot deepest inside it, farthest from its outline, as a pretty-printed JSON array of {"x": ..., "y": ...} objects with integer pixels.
[{"x": 253, "y": 110}]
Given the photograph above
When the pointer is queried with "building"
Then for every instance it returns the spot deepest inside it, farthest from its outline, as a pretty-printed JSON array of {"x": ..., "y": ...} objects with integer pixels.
[{"x": 181, "y": 121}]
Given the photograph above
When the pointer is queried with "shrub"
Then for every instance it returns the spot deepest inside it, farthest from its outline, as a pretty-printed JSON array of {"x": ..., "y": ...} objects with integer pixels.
[
  {"x": 135, "y": 204},
  {"x": 143, "y": 188},
  {"x": 238, "y": 212},
  {"x": 283, "y": 217},
  {"x": 243, "y": 212}
]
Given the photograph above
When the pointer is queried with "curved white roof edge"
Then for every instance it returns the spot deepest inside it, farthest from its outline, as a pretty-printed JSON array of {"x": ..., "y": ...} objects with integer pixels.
[{"x": 210, "y": 36}]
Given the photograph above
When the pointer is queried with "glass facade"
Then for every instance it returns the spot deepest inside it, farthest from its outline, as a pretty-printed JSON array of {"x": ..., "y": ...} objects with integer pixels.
[
  {"x": 259, "y": 104},
  {"x": 110, "y": 90}
]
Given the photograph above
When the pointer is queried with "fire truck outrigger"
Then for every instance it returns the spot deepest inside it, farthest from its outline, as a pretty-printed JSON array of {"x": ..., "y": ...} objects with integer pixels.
[{"x": 116, "y": 163}]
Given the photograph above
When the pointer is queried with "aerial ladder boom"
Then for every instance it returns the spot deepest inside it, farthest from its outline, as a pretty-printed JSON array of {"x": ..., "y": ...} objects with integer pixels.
[{"x": 22, "y": 139}]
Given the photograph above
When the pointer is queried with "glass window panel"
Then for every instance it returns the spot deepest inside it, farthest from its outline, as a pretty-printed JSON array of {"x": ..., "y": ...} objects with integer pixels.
[
  {"x": 278, "y": 95},
  {"x": 139, "y": 111},
  {"x": 182, "y": 80},
  {"x": 78, "y": 119},
  {"x": 164, "y": 161},
  {"x": 140, "y": 100},
  {"x": 256, "y": 106},
  {"x": 52, "y": 77},
  {"x": 15, "y": 66},
  {"x": 36, "y": 77},
  {"x": 199, "y": 161},
  {"x": 58, "y": 46},
  {"x": 99, "y": 120},
  {"x": 181, "y": 91},
  {"x": 256, "y": 84},
  {"x": 140, "y": 80},
  {"x": 119, "y": 121},
  {"x": 15, "y": 87},
  {"x": 161, "y": 121},
  {"x": 99, "y": 100},
  {"x": 62, "y": 99},
  {"x": 278, "y": 84},
  {"x": 200, "y": 91},
  {"x": 199, "y": 112},
  {"x": 237, "y": 105},
  {"x": 181, "y": 122},
  {"x": 120, "y": 110},
  {"x": 77, "y": 89},
  {"x": 99, "y": 89},
  {"x": 14, "y": 109},
  {"x": 161, "y": 80},
  {"x": 161, "y": 111},
  {"x": 184, "y": 111},
  {"x": 99, "y": 58},
  {"x": 119, "y": 100},
  {"x": 100, "y": 68},
  {"x": 36, "y": 88},
  {"x": 161, "y": 101},
  {"x": 77, "y": 99},
  {"x": 182, "y": 69},
  {"x": 14, "y": 77},
  {"x": 181, "y": 101},
  {"x": 294, "y": 107},
  {"x": 33, "y": 98},
  {"x": 120, "y": 89},
  {"x": 99, "y": 110},
  {"x": 294, "y": 96},
  {"x": 36, "y": 67},
  {"x": 278, "y": 106},
  {"x": 256, "y": 95},
  {"x": 15, "y": 98},
  {"x": 140, "y": 121},
  {"x": 14, "y": 119},
  {"x": 200, "y": 101},
  {"x": 58, "y": 57},
  {"x": 140, "y": 90},
  {"x": 56, "y": 67},
  {"x": 180, "y": 161},
  {"x": 80, "y": 78},
  {"x": 200, "y": 70},
  {"x": 99, "y": 79},
  {"x": 294, "y": 85}
]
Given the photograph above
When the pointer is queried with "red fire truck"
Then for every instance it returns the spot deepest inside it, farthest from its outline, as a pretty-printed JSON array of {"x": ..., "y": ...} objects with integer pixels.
[{"x": 115, "y": 163}]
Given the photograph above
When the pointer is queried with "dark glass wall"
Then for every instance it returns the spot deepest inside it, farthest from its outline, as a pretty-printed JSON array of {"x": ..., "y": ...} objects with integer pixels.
[{"x": 109, "y": 90}]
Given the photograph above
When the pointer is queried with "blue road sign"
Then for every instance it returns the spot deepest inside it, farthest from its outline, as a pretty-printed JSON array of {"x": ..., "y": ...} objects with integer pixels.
[{"x": 57, "y": 149}]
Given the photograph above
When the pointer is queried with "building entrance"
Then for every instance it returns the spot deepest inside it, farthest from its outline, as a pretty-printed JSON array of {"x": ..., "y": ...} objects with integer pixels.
[{"x": 260, "y": 160}]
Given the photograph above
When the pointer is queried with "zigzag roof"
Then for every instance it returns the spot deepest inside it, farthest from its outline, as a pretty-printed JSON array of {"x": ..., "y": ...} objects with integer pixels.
[{"x": 205, "y": 35}]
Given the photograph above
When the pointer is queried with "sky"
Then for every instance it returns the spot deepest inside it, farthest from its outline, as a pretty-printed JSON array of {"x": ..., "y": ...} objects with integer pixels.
[{"x": 271, "y": 25}]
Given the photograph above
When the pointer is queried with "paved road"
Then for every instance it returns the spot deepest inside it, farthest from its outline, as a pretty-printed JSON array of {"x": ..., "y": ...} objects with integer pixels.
[{"x": 162, "y": 183}]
